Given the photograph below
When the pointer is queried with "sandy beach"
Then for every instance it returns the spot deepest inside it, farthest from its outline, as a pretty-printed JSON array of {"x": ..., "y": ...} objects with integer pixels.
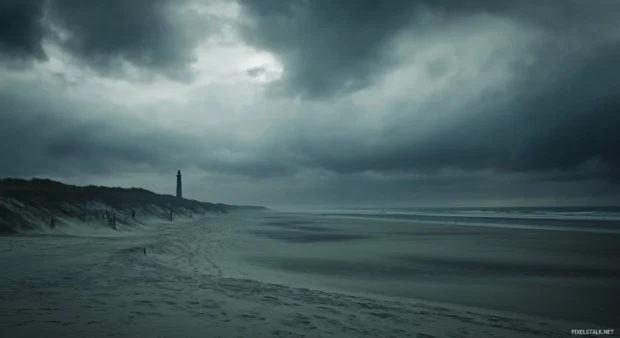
[{"x": 271, "y": 274}]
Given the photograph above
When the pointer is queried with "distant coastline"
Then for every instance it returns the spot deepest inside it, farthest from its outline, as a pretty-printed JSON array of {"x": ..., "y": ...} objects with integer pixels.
[{"x": 32, "y": 204}]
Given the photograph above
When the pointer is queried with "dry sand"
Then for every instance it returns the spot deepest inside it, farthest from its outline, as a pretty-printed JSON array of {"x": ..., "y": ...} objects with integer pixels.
[{"x": 272, "y": 275}]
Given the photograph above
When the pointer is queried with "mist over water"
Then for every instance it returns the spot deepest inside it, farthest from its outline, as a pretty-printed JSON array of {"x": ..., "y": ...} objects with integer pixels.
[{"x": 584, "y": 219}]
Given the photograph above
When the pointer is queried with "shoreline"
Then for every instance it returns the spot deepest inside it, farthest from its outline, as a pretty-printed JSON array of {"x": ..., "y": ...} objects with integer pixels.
[{"x": 192, "y": 281}]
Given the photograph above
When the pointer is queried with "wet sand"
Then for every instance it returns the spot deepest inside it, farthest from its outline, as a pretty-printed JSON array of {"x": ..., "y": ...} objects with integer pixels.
[
  {"x": 568, "y": 275},
  {"x": 284, "y": 275}
]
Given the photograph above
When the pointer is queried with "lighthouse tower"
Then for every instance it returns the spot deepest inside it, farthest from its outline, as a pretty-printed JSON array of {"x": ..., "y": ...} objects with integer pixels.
[{"x": 179, "y": 186}]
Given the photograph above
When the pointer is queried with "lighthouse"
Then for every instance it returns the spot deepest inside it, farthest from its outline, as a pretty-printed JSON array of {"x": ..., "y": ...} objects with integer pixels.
[{"x": 179, "y": 186}]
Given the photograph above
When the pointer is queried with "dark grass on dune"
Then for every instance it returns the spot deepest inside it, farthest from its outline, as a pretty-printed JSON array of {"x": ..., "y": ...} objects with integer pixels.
[
  {"x": 26, "y": 204},
  {"x": 53, "y": 194}
]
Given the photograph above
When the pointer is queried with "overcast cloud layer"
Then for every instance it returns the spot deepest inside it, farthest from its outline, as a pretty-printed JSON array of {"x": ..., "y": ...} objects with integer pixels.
[{"x": 345, "y": 102}]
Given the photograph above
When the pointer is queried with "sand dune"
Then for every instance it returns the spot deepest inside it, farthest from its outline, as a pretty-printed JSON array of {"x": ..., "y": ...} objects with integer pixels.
[{"x": 194, "y": 282}]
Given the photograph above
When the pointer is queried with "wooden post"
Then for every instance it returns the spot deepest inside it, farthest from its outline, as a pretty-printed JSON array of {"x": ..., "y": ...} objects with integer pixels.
[
  {"x": 52, "y": 223},
  {"x": 133, "y": 214}
]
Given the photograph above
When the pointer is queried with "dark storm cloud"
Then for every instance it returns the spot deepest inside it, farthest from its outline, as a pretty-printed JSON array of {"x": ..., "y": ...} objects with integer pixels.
[
  {"x": 575, "y": 119},
  {"x": 256, "y": 166},
  {"x": 448, "y": 189},
  {"x": 334, "y": 47},
  {"x": 21, "y": 30},
  {"x": 562, "y": 110},
  {"x": 327, "y": 47},
  {"x": 572, "y": 119},
  {"x": 45, "y": 133},
  {"x": 552, "y": 131},
  {"x": 158, "y": 35}
]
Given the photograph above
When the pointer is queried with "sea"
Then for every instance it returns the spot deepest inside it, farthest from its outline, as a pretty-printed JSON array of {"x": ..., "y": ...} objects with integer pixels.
[{"x": 575, "y": 218}]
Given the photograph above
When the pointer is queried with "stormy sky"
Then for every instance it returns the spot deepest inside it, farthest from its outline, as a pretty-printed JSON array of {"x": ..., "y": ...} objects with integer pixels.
[{"x": 317, "y": 102}]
